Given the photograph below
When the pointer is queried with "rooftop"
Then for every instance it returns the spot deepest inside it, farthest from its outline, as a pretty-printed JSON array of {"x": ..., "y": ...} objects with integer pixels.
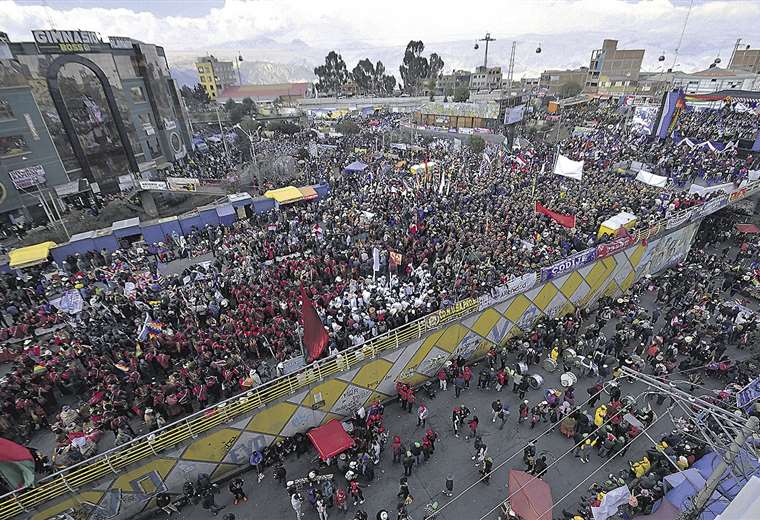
[{"x": 265, "y": 92}]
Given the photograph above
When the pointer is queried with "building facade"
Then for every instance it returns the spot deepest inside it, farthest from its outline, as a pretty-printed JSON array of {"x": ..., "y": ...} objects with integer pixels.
[
  {"x": 746, "y": 59},
  {"x": 459, "y": 117},
  {"x": 486, "y": 78},
  {"x": 78, "y": 112},
  {"x": 215, "y": 75},
  {"x": 715, "y": 79},
  {"x": 562, "y": 82},
  {"x": 613, "y": 71},
  {"x": 448, "y": 84}
]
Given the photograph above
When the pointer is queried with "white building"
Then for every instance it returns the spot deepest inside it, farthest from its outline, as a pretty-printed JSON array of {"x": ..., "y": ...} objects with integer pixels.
[{"x": 714, "y": 79}]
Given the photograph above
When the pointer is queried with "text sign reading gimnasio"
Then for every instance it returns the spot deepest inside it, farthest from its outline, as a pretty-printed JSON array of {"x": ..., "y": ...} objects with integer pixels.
[{"x": 67, "y": 42}]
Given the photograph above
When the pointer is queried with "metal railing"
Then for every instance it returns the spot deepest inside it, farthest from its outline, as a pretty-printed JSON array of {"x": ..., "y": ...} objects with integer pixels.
[{"x": 70, "y": 479}]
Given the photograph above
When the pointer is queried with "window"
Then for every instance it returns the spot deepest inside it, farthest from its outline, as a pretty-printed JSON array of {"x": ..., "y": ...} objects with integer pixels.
[
  {"x": 138, "y": 96},
  {"x": 12, "y": 145},
  {"x": 6, "y": 113}
]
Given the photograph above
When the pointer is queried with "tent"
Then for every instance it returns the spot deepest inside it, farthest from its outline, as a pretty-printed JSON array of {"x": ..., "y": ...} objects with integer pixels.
[
  {"x": 420, "y": 168},
  {"x": 126, "y": 228},
  {"x": 747, "y": 228},
  {"x": 29, "y": 255},
  {"x": 330, "y": 439},
  {"x": 531, "y": 496},
  {"x": 226, "y": 214},
  {"x": 613, "y": 224},
  {"x": 263, "y": 204},
  {"x": 355, "y": 167},
  {"x": 746, "y": 504},
  {"x": 650, "y": 178},
  {"x": 322, "y": 190},
  {"x": 308, "y": 193},
  {"x": 104, "y": 239},
  {"x": 285, "y": 195}
]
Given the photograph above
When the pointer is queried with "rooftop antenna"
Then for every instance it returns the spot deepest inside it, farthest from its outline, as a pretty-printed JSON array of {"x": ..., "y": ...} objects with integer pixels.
[
  {"x": 511, "y": 71},
  {"x": 683, "y": 31}
]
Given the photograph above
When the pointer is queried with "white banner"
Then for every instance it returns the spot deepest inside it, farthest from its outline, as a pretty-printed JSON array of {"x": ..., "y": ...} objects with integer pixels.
[
  {"x": 71, "y": 302},
  {"x": 652, "y": 179},
  {"x": 569, "y": 168},
  {"x": 702, "y": 190},
  {"x": 508, "y": 290},
  {"x": 27, "y": 177},
  {"x": 153, "y": 185},
  {"x": 375, "y": 259},
  {"x": 611, "y": 502},
  {"x": 676, "y": 221}
]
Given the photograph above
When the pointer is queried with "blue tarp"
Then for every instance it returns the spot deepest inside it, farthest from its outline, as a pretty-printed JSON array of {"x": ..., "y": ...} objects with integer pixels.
[
  {"x": 170, "y": 226},
  {"x": 226, "y": 214},
  {"x": 263, "y": 204},
  {"x": 356, "y": 166},
  {"x": 152, "y": 232},
  {"x": 208, "y": 215},
  {"x": 190, "y": 220},
  {"x": 322, "y": 190},
  {"x": 104, "y": 239},
  {"x": 126, "y": 228}
]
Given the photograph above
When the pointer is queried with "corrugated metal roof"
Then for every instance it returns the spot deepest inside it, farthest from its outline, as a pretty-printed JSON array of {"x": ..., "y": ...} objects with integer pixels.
[{"x": 482, "y": 110}]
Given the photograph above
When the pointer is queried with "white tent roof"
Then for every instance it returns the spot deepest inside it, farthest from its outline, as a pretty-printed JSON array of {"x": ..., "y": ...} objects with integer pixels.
[{"x": 746, "y": 504}]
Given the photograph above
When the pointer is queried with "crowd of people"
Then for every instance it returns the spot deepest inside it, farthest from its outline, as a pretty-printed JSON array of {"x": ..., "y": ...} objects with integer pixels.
[
  {"x": 223, "y": 326},
  {"x": 728, "y": 123}
]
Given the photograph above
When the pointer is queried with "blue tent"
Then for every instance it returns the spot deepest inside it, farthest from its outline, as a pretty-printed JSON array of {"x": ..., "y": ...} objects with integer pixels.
[
  {"x": 355, "y": 167},
  {"x": 226, "y": 214}
]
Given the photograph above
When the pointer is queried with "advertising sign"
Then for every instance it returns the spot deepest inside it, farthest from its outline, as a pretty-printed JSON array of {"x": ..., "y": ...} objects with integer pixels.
[
  {"x": 120, "y": 42},
  {"x": 27, "y": 177},
  {"x": 568, "y": 264},
  {"x": 65, "y": 42},
  {"x": 674, "y": 222},
  {"x": 614, "y": 246},
  {"x": 713, "y": 205},
  {"x": 153, "y": 185},
  {"x": 182, "y": 183}
]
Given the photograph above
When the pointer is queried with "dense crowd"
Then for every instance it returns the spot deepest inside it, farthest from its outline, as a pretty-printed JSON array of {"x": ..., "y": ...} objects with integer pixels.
[
  {"x": 724, "y": 124},
  {"x": 223, "y": 326}
]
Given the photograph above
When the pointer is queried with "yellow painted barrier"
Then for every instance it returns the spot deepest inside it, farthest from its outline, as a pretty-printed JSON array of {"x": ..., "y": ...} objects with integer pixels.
[{"x": 109, "y": 463}]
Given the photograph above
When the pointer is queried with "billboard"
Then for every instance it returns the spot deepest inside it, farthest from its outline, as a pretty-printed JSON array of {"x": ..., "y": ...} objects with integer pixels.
[
  {"x": 66, "y": 42},
  {"x": 27, "y": 177}
]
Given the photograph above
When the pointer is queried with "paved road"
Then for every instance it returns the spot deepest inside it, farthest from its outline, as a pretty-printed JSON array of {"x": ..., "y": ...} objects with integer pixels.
[{"x": 453, "y": 456}]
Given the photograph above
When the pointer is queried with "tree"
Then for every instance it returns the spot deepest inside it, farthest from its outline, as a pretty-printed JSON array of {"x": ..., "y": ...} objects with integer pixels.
[
  {"x": 415, "y": 67},
  {"x": 477, "y": 143},
  {"x": 570, "y": 89},
  {"x": 200, "y": 95},
  {"x": 186, "y": 92},
  {"x": 250, "y": 106},
  {"x": 347, "y": 127},
  {"x": 436, "y": 65},
  {"x": 230, "y": 105},
  {"x": 364, "y": 76},
  {"x": 379, "y": 76},
  {"x": 389, "y": 83},
  {"x": 237, "y": 113},
  {"x": 461, "y": 94},
  {"x": 333, "y": 75}
]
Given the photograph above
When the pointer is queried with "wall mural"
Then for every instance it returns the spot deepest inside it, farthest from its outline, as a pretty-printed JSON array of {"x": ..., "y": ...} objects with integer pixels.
[{"x": 229, "y": 448}]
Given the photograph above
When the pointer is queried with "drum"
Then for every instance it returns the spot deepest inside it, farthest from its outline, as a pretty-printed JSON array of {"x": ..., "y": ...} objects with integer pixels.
[
  {"x": 550, "y": 365},
  {"x": 568, "y": 355},
  {"x": 568, "y": 379},
  {"x": 535, "y": 381},
  {"x": 522, "y": 368}
]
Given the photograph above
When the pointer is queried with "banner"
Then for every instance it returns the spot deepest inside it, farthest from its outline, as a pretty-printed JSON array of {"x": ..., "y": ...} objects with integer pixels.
[
  {"x": 27, "y": 177},
  {"x": 71, "y": 302},
  {"x": 568, "y": 264},
  {"x": 375, "y": 259},
  {"x": 674, "y": 222},
  {"x": 565, "y": 220},
  {"x": 713, "y": 205},
  {"x": 733, "y": 197},
  {"x": 506, "y": 291},
  {"x": 728, "y": 187},
  {"x": 652, "y": 179},
  {"x": 458, "y": 310},
  {"x": 153, "y": 185},
  {"x": 748, "y": 395},
  {"x": 394, "y": 258},
  {"x": 614, "y": 246},
  {"x": 568, "y": 168},
  {"x": 514, "y": 114},
  {"x": 669, "y": 107},
  {"x": 315, "y": 337}
]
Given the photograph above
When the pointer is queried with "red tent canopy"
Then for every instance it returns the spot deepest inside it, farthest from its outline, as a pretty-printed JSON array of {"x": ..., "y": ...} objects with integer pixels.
[
  {"x": 747, "y": 228},
  {"x": 330, "y": 439},
  {"x": 531, "y": 496}
]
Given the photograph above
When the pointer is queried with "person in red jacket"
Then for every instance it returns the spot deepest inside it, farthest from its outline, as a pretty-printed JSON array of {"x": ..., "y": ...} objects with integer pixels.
[
  {"x": 396, "y": 448},
  {"x": 341, "y": 499},
  {"x": 473, "y": 424},
  {"x": 501, "y": 379},
  {"x": 467, "y": 373},
  {"x": 442, "y": 381}
]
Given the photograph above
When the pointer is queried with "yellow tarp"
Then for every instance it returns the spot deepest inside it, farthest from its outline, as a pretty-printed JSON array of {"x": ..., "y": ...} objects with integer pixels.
[
  {"x": 285, "y": 195},
  {"x": 308, "y": 193},
  {"x": 30, "y": 255}
]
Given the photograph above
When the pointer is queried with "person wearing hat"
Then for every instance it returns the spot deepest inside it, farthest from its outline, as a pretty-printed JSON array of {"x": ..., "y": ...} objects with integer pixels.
[{"x": 408, "y": 462}]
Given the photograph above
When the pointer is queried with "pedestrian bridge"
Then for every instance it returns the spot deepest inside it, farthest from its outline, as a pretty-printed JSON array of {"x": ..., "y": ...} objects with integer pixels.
[{"x": 120, "y": 482}]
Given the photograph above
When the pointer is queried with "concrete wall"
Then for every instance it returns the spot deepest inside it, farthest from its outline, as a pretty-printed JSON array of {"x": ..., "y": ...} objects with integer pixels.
[{"x": 228, "y": 448}]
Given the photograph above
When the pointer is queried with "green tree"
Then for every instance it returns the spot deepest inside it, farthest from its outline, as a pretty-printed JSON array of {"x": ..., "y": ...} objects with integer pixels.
[
  {"x": 389, "y": 83},
  {"x": 230, "y": 105},
  {"x": 477, "y": 144},
  {"x": 364, "y": 76},
  {"x": 333, "y": 75},
  {"x": 200, "y": 94},
  {"x": 570, "y": 89},
  {"x": 379, "y": 76},
  {"x": 250, "y": 106},
  {"x": 436, "y": 65},
  {"x": 461, "y": 94},
  {"x": 347, "y": 127},
  {"x": 415, "y": 67}
]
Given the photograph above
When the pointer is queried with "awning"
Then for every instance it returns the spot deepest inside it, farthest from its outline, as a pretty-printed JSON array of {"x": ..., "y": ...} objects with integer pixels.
[
  {"x": 30, "y": 255},
  {"x": 354, "y": 167},
  {"x": 531, "y": 497},
  {"x": 239, "y": 199},
  {"x": 330, "y": 439},
  {"x": 747, "y": 228},
  {"x": 285, "y": 195},
  {"x": 308, "y": 193}
]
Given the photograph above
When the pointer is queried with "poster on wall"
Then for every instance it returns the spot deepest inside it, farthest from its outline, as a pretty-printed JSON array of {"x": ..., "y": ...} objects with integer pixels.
[
  {"x": 568, "y": 264},
  {"x": 24, "y": 178},
  {"x": 668, "y": 250}
]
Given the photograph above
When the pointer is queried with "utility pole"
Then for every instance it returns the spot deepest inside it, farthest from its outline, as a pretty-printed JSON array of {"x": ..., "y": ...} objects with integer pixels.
[
  {"x": 700, "y": 501},
  {"x": 733, "y": 53},
  {"x": 487, "y": 39},
  {"x": 511, "y": 70}
]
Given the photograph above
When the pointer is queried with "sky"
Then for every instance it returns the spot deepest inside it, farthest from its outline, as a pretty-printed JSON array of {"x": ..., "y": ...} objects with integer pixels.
[{"x": 567, "y": 30}]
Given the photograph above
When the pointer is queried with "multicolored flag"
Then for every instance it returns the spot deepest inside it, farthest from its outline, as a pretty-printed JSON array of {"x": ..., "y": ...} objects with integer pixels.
[{"x": 16, "y": 464}]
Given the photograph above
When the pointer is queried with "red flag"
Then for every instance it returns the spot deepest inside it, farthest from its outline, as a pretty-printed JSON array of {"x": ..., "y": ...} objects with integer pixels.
[
  {"x": 314, "y": 335},
  {"x": 622, "y": 232},
  {"x": 566, "y": 220},
  {"x": 394, "y": 258}
]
